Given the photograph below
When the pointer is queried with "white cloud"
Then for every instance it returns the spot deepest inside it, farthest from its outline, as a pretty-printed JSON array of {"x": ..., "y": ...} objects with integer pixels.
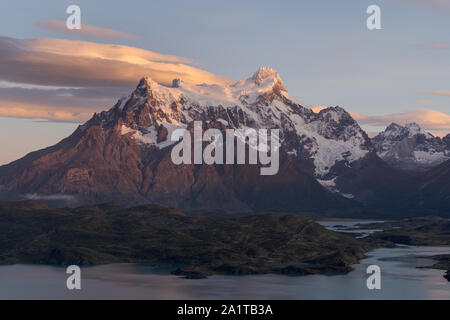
[{"x": 51, "y": 197}]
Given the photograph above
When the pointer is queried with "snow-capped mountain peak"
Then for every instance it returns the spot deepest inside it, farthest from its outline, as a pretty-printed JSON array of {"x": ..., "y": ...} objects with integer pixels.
[
  {"x": 321, "y": 141},
  {"x": 264, "y": 82},
  {"x": 414, "y": 129},
  {"x": 394, "y": 130},
  {"x": 397, "y": 132},
  {"x": 134, "y": 138},
  {"x": 410, "y": 147},
  {"x": 263, "y": 74}
]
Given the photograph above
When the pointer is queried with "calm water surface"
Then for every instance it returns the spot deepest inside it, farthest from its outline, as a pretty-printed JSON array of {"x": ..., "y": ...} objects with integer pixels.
[{"x": 401, "y": 279}]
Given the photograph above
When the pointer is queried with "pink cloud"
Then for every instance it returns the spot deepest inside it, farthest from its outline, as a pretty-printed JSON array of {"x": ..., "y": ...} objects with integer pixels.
[
  {"x": 431, "y": 120},
  {"x": 437, "y": 45},
  {"x": 67, "y": 63},
  {"x": 436, "y": 92},
  {"x": 33, "y": 68},
  {"x": 64, "y": 104},
  {"x": 317, "y": 109},
  {"x": 423, "y": 102}
]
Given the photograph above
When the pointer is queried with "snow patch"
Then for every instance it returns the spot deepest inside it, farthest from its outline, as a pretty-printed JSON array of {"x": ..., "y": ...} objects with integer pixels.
[
  {"x": 328, "y": 183},
  {"x": 424, "y": 157},
  {"x": 331, "y": 186},
  {"x": 149, "y": 136},
  {"x": 223, "y": 121},
  {"x": 326, "y": 152}
]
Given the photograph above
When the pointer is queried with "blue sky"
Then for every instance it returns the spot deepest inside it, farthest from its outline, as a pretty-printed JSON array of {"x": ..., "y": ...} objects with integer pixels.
[{"x": 321, "y": 49}]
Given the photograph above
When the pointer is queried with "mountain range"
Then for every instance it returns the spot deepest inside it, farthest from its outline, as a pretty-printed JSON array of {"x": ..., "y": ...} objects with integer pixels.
[
  {"x": 409, "y": 147},
  {"x": 327, "y": 162}
]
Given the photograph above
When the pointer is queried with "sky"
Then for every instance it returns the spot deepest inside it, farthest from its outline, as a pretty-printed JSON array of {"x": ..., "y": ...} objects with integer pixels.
[{"x": 52, "y": 78}]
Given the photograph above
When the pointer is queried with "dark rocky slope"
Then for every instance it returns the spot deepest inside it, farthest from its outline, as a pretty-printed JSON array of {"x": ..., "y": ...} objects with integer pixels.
[
  {"x": 97, "y": 165},
  {"x": 32, "y": 233}
]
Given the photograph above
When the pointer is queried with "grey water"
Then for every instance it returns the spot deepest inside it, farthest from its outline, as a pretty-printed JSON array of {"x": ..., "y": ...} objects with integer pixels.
[
  {"x": 400, "y": 279},
  {"x": 350, "y": 226}
]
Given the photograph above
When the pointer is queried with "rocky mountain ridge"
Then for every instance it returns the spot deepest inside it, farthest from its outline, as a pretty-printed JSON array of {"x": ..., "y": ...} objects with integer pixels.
[
  {"x": 410, "y": 147},
  {"x": 123, "y": 155}
]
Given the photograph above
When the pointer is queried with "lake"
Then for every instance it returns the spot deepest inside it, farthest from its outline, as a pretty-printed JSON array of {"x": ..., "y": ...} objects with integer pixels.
[{"x": 400, "y": 279}]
